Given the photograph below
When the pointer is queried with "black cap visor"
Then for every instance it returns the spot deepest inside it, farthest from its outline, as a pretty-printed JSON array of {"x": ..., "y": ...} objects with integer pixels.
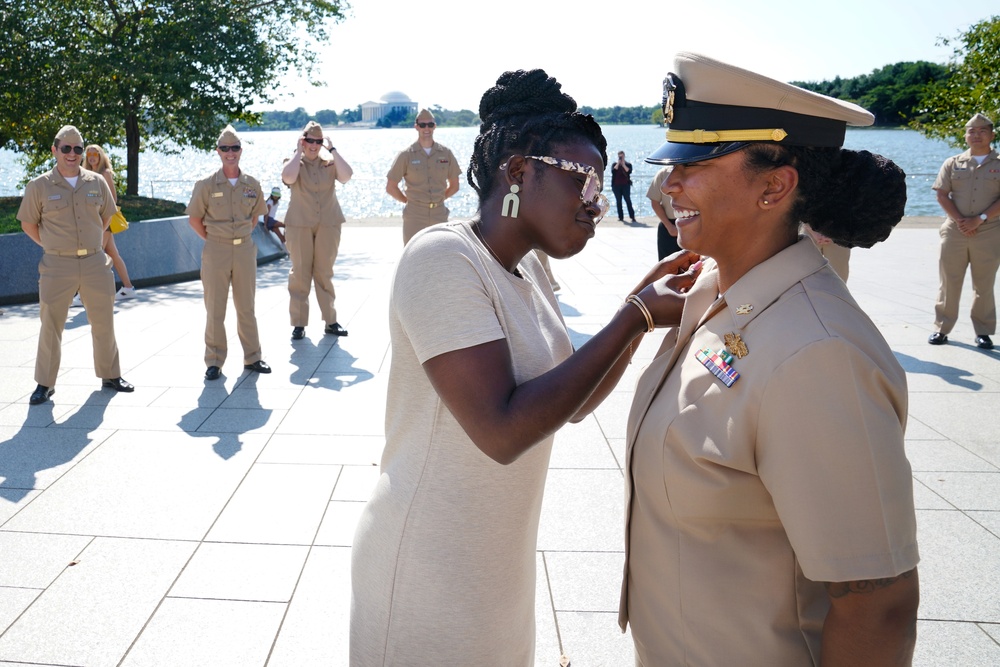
[{"x": 671, "y": 153}]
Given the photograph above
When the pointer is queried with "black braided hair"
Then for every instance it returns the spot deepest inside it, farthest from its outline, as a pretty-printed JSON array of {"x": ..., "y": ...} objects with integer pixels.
[
  {"x": 853, "y": 197},
  {"x": 526, "y": 112}
]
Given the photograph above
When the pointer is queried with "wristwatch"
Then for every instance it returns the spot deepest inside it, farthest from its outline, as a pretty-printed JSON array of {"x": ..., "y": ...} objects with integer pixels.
[{"x": 983, "y": 217}]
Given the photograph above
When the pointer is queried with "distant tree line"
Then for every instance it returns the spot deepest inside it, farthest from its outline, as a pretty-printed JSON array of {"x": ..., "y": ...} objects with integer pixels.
[{"x": 893, "y": 93}]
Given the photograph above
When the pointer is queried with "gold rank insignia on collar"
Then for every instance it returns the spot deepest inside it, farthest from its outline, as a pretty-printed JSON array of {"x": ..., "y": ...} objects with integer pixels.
[
  {"x": 744, "y": 309},
  {"x": 735, "y": 345}
]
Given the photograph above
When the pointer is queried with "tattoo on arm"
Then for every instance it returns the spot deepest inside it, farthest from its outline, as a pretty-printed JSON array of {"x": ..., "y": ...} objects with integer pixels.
[{"x": 839, "y": 589}]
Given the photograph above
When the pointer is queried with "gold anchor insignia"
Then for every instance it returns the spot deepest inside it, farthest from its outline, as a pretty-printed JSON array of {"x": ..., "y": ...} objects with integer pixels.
[
  {"x": 745, "y": 309},
  {"x": 735, "y": 345}
]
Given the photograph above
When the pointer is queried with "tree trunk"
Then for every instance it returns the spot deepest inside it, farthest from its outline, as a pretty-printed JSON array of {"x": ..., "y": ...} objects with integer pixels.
[{"x": 132, "y": 153}]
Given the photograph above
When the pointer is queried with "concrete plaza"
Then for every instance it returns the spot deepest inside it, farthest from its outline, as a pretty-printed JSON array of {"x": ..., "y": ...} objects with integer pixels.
[{"x": 196, "y": 523}]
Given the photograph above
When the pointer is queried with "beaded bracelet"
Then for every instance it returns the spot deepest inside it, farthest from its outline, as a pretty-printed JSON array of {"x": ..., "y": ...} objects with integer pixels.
[{"x": 638, "y": 303}]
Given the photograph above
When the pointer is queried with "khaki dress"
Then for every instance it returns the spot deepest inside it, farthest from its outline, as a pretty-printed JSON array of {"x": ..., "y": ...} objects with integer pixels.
[
  {"x": 742, "y": 499},
  {"x": 443, "y": 562}
]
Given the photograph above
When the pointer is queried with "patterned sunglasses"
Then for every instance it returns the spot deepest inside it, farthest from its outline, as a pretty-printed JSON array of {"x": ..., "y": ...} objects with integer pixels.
[{"x": 590, "y": 194}]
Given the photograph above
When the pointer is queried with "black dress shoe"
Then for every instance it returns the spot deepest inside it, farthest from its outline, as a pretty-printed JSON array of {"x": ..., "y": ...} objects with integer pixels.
[
  {"x": 118, "y": 384},
  {"x": 258, "y": 367},
  {"x": 984, "y": 342},
  {"x": 335, "y": 329},
  {"x": 213, "y": 373},
  {"x": 41, "y": 394},
  {"x": 298, "y": 333},
  {"x": 937, "y": 338}
]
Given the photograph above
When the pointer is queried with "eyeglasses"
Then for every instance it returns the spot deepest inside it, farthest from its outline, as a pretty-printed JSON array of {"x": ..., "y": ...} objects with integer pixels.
[
  {"x": 315, "y": 142},
  {"x": 427, "y": 124},
  {"x": 236, "y": 149},
  {"x": 66, "y": 149},
  {"x": 590, "y": 194}
]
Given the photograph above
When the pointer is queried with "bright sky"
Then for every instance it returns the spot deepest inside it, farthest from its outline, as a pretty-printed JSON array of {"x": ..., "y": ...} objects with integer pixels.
[{"x": 608, "y": 52}]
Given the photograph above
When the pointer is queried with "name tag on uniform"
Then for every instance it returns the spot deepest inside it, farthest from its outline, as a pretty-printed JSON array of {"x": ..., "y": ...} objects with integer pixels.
[
  {"x": 54, "y": 197},
  {"x": 415, "y": 161},
  {"x": 218, "y": 194}
]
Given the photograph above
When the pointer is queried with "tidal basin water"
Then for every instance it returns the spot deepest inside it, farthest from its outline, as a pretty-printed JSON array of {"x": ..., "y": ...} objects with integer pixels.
[{"x": 370, "y": 152}]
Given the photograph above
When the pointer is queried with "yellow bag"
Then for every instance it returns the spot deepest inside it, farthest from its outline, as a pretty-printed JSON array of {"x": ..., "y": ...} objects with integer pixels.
[{"x": 118, "y": 222}]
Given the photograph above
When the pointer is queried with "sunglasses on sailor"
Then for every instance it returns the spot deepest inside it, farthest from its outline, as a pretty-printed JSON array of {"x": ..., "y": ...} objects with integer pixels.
[
  {"x": 590, "y": 193},
  {"x": 314, "y": 142},
  {"x": 236, "y": 149},
  {"x": 427, "y": 124},
  {"x": 66, "y": 149}
]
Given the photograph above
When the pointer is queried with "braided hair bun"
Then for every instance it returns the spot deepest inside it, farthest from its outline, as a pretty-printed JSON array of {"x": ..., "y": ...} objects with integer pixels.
[
  {"x": 860, "y": 203},
  {"x": 526, "y": 112}
]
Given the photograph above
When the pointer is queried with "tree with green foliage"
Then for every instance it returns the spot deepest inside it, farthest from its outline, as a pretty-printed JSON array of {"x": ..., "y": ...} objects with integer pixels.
[
  {"x": 973, "y": 85},
  {"x": 149, "y": 75}
]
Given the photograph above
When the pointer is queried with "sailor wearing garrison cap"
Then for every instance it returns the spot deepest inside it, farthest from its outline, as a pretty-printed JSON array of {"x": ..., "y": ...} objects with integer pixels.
[
  {"x": 968, "y": 189},
  {"x": 431, "y": 174},
  {"x": 223, "y": 210},
  {"x": 66, "y": 211},
  {"x": 769, "y": 502}
]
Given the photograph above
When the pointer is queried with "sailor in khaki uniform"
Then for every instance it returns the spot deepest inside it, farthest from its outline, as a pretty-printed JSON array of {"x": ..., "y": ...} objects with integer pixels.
[
  {"x": 223, "y": 210},
  {"x": 66, "y": 211},
  {"x": 431, "y": 173},
  {"x": 312, "y": 227},
  {"x": 968, "y": 189},
  {"x": 769, "y": 502}
]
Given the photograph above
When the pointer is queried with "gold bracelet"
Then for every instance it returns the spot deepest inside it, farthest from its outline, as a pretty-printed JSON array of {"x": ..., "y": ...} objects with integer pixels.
[{"x": 638, "y": 303}]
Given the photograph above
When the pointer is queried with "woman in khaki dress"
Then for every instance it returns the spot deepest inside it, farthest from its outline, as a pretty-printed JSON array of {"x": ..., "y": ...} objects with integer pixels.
[
  {"x": 483, "y": 373},
  {"x": 770, "y": 515}
]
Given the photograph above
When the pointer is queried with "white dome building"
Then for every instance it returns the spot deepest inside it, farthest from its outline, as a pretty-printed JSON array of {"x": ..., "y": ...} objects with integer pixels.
[{"x": 391, "y": 101}]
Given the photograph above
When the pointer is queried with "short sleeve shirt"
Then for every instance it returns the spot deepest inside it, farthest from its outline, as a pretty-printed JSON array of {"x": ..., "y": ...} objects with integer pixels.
[
  {"x": 745, "y": 498},
  {"x": 426, "y": 176},
  {"x": 973, "y": 186},
  {"x": 314, "y": 195},
  {"x": 228, "y": 211},
  {"x": 656, "y": 194},
  {"x": 68, "y": 218}
]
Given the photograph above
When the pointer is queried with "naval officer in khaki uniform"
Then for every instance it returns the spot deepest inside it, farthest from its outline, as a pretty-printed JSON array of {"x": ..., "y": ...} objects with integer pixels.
[
  {"x": 66, "y": 211},
  {"x": 312, "y": 227},
  {"x": 769, "y": 502},
  {"x": 431, "y": 174},
  {"x": 968, "y": 189},
  {"x": 223, "y": 210}
]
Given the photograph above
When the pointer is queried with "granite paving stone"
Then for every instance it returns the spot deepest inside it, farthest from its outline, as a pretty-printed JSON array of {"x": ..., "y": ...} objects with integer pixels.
[{"x": 211, "y": 522}]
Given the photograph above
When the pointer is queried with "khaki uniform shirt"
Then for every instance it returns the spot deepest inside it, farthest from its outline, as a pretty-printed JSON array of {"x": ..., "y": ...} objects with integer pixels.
[
  {"x": 742, "y": 499},
  {"x": 973, "y": 186},
  {"x": 314, "y": 195},
  {"x": 69, "y": 219},
  {"x": 426, "y": 175},
  {"x": 656, "y": 194},
  {"x": 229, "y": 212}
]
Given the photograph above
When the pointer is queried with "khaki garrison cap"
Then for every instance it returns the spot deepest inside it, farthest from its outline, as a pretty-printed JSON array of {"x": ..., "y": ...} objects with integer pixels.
[
  {"x": 68, "y": 133},
  {"x": 979, "y": 120},
  {"x": 228, "y": 137},
  {"x": 712, "y": 108}
]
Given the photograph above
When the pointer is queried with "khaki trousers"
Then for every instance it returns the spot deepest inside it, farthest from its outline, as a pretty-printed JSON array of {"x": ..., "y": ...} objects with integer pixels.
[
  {"x": 981, "y": 253},
  {"x": 313, "y": 251},
  {"x": 59, "y": 278},
  {"x": 222, "y": 265},
  {"x": 421, "y": 216}
]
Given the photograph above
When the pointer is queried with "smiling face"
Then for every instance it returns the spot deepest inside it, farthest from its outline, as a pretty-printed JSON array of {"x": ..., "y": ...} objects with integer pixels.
[
  {"x": 69, "y": 163},
  {"x": 716, "y": 202},
  {"x": 979, "y": 139},
  {"x": 559, "y": 222},
  {"x": 93, "y": 159},
  {"x": 230, "y": 158}
]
